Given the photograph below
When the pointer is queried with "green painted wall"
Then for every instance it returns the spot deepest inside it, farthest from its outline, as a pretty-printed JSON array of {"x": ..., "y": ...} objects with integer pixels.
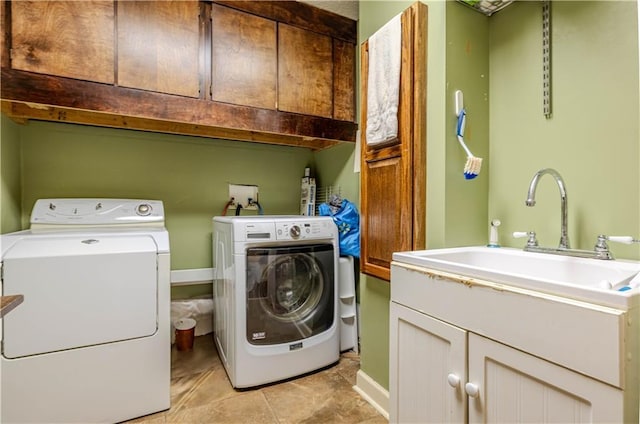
[
  {"x": 190, "y": 175},
  {"x": 466, "y": 69},
  {"x": 457, "y": 59},
  {"x": 334, "y": 167},
  {"x": 10, "y": 183},
  {"x": 592, "y": 138},
  {"x": 374, "y": 293}
]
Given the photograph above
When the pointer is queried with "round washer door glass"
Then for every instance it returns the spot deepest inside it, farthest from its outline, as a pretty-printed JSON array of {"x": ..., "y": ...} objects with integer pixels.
[
  {"x": 290, "y": 293},
  {"x": 294, "y": 286}
]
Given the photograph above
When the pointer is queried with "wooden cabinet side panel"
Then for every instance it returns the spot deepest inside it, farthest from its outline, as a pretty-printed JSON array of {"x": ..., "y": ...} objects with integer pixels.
[
  {"x": 344, "y": 80},
  {"x": 5, "y": 33},
  {"x": 158, "y": 46},
  {"x": 419, "y": 120},
  {"x": 305, "y": 72},
  {"x": 64, "y": 39},
  {"x": 244, "y": 58}
]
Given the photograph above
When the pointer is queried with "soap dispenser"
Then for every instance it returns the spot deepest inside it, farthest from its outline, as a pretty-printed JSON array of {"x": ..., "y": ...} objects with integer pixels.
[{"x": 493, "y": 233}]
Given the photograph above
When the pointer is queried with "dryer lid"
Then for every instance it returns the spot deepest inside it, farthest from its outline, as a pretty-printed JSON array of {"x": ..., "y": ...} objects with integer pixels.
[
  {"x": 79, "y": 244},
  {"x": 79, "y": 292}
]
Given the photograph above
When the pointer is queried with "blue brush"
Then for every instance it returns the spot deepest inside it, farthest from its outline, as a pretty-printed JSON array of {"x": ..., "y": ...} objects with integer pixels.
[{"x": 473, "y": 165}]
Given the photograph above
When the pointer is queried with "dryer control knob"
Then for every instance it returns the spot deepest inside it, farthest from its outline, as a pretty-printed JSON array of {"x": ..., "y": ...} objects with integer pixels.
[
  {"x": 143, "y": 209},
  {"x": 295, "y": 231}
]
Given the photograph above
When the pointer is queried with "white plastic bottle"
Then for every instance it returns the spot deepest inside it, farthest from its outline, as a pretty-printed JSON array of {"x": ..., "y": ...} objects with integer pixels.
[{"x": 308, "y": 194}]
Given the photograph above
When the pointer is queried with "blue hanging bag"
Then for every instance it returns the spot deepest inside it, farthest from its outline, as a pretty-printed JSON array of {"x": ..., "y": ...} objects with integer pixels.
[{"x": 347, "y": 219}]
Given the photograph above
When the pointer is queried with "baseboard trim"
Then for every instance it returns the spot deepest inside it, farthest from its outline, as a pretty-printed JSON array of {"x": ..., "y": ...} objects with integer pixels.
[
  {"x": 372, "y": 392},
  {"x": 187, "y": 277}
]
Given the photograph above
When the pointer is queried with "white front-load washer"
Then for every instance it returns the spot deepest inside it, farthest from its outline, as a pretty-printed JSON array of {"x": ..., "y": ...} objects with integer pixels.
[
  {"x": 275, "y": 296},
  {"x": 91, "y": 341}
]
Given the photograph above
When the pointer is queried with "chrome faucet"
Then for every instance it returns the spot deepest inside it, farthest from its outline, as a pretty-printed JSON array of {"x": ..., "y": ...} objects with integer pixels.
[
  {"x": 531, "y": 201},
  {"x": 601, "y": 249}
]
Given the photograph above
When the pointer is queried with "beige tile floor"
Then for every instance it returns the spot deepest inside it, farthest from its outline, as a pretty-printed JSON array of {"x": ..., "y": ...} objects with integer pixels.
[{"x": 201, "y": 393}]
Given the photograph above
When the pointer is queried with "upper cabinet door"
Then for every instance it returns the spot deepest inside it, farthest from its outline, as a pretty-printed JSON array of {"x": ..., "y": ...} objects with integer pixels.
[
  {"x": 64, "y": 38},
  {"x": 305, "y": 72},
  {"x": 244, "y": 58},
  {"x": 393, "y": 173},
  {"x": 344, "y": 95},
  {"x": 159, "y": 46}
]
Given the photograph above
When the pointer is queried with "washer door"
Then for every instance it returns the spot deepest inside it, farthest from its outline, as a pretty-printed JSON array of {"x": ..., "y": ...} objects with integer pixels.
[
  {"x": 290, "y": 293},
  {"x": 79, "y": 291},
  {"x": 294, "y": 285}
]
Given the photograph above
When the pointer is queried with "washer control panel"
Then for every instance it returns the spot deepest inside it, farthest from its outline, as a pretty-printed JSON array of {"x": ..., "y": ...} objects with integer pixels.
[
  {"x": 304, "y": 230},
  {"x": 96, "y": 212}
]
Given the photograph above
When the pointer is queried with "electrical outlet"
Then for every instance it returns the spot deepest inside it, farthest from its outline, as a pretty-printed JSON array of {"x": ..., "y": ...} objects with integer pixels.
[{"x": 244, "y": 195}]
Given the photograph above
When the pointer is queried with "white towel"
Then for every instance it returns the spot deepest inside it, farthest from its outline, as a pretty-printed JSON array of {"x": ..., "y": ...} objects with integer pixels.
[{"x": 383, "y": 84}]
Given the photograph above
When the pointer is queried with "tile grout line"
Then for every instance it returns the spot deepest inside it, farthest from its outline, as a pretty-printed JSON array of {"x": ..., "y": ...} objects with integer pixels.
[
  {"x": 273, "y": 412},
  {"x": 183, "y": 399}
]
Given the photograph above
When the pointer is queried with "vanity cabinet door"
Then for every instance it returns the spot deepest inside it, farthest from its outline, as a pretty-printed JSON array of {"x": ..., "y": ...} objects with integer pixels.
[
  {"x": 159, "y": 46},
  {"x": 516, "y": 387},
  {"x": 427, "y": 369},
  {"x": 64, "y": 38}
]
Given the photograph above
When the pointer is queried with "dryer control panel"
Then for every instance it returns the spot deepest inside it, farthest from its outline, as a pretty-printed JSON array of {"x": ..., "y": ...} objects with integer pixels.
[{"x": 55, "y": 212}]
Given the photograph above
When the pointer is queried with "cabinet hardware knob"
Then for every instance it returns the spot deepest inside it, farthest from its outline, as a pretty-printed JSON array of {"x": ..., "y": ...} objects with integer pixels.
[
  {"x": 472, "y": 390},
  {"x": 454, "y": 380}
]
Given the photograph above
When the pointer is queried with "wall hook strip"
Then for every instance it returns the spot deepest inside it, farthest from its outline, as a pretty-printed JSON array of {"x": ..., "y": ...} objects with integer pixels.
[{"x": 546, "y": 58}]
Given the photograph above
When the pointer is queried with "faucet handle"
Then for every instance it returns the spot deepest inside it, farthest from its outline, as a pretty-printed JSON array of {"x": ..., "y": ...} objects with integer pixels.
[
  {"x": 622, "y": 239},
  {"x": 601, "y": 243},
  {"x": 602, "y": 248},
  {"x": 532, "y": 241}
]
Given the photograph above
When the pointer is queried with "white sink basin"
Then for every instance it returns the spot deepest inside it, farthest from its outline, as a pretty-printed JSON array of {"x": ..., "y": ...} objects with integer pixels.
[{"x": 593, "y": 280}]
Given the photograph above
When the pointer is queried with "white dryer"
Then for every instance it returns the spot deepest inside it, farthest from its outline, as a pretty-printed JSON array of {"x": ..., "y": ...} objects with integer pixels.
[
  {"x": 275, "y": 296},
  {"x": 91, "y": 341}
]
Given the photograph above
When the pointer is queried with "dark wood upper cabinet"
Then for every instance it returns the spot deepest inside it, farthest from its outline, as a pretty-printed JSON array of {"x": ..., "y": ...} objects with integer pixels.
[
  {"x": 64, "y": 38},
  {"x": 159, "y": 46},
  {"x": 344, "y": 100},
  {"x": 305, "y": 71},
  {"x": 277, "y": 72},
  {"x": 244, "y": 58}
]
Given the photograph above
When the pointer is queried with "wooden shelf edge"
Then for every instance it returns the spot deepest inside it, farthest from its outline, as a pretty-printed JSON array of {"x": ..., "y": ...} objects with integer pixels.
[
  {"x": 28, "y": 96},
  {"x": 22, "y": 112}
]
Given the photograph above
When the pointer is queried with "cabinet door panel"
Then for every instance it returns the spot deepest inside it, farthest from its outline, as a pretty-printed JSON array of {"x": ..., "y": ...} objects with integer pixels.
[
  {"x": 388, "y": 226},
  {"x": 305, "y": 72},
  {"x": 424, "y": 353},
  {"x": 64, "y": 38},
  {"x": 244, "y": 58},
  {"x": 516, "y": 387},
  {"x": 393, "y": 177},
  {"x": 344, "y": 80},
  {"x": 159, "y": 46}
]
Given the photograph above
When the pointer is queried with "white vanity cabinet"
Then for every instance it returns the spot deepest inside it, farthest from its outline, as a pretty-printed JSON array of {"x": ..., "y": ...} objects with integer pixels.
[
  {"x": 465, "y": 350},
  {"x": 425, "y": 354}
]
